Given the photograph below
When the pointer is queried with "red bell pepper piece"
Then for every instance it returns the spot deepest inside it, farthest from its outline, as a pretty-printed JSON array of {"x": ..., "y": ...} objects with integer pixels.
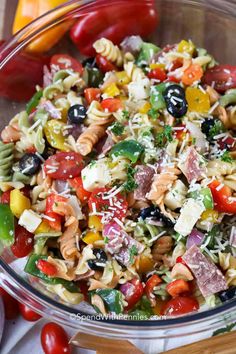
[
  {"x": 222, "y": 198},
  {"x": 157, "y": 74},
  {"x": 115, "y": 22},
  {"x": 112, "y": 104},
  {"x": 177, "y": 287},
  {"x": 180, "y": 305},
  {"x": 81, "y": 193},
  {"x": 20, "y": 75},
  {"x": 92, "y": 94},
  {"x": 153, "y": 281},
  {"x": 55, "y": 223},
  {"x": 104, "y": 64}
]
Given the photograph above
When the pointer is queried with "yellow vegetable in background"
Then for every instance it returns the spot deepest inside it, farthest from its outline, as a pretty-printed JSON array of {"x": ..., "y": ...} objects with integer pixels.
[
  {"x": 43, "y": 228},
  {"x": 18, "y": 202},
  {"x": 186, "y": 47},
  {"x": 91, "y": 237},
  {"x": 53, "y": 130},
  {"x": 94, "y": 222}
]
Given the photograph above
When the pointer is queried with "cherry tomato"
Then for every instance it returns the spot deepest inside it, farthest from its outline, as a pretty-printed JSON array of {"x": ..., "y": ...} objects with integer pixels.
[
  {"x": 157, "y": 74},
  {"x": 5, "y": 197},
  {"x": 55, "y": 222},
  {"x": 112, "y": 104},
  {"x": 28, "y": 314},
  {"x": 116, "y": 207},
  {"x": 64, "y": 165},
  {"x": 180, "y": 305},
  {"x": 223, "y": 77},
  {"x": 92, "y": 94},
  {"x": 54, "y": 339},
  {"x": 135, "y": 295},
  {"x": 193, "y": 73},
  {"x": 24, "y": 242},
  {"x": 46, "y": 268},
  {"x": 177, "y": 287},
  {"x": 226, "y": 143},
  {"x": 153, "y": 281},
  {"x": 221, "y": 196},
  {"x": 11, "y": 306},
  {"x": 81, "y": 193},
  {"x": 65, "y": 61},
  {"x": 104, "y": 64}
]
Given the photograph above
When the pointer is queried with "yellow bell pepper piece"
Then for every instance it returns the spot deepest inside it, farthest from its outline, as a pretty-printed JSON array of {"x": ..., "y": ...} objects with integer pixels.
[
  {"x": 53, "y": 130},
  {"x": 210, "y": 215},
  {"x": 43, "y": 228},
  {"x": 18, "y": 202},
  {"x": 123, "y": 78},
  {"x": 145, "y": 265},
  {"x": 94, "y": 222},
  {"x": 145, "y": 108},
  {"x": 186, "y": 47},
  {"x": 29, "y": 10},
  {"x": 198, "y": 101},
  {"x": 156, "y": 66},
  {"x": 91, "y": 237},
  {"x": 112, "y": 90}
]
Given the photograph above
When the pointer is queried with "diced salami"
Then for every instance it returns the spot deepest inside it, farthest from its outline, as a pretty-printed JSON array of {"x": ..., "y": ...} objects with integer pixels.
[
  {"x": 192, "y": 165},
  {"x": 107, "y": 145},
  {"x": 143, "y": 177},
  {"x": 209, "y": 278}
]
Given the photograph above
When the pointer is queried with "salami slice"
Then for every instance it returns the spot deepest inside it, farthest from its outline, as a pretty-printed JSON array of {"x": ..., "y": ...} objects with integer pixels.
[{"x": 143, "y": 178}]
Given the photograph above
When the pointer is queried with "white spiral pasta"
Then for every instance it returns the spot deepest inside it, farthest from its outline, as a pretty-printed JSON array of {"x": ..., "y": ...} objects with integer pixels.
[
  {"x": 220, "y": 168},
  {"x": 133, "y": 72},
  {"x": 108, "y": 50},
  {"x": 202, "y": 60},
  {"x": 65, "y": 295},
  {"x": 230, "y": 181}
]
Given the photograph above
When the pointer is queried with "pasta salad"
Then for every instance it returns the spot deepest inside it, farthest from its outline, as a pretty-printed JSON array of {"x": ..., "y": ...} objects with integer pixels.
[{"x": 118, "y": 180}]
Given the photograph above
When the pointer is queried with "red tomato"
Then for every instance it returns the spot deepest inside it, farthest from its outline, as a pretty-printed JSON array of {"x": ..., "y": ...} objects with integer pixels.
[
  {"x": 221, "y": 197},
  {"x": 116, "y": 206},
  {"x": 193, "y": 73},
  {"x": 172, "y": 78},
  {"x": 177, "y": 287},
  {"x": 65, "y": 61},
  {"x": 83, "y": 286},
  {"x": 81, "y": 193},
  {"x": 46, "y": 268},
  {"x": 180, "y": 305},
  {"x": 153, "y": 281},
  {"x": 54, "y": 339},
  {"x": 92, "y": 94},
  {"x": 24, "y": 242},
  {"x": 177, "y": 63},
  {"x": 157, "y": 74},
  {"x": 5, "y": 197},
  {"x": 64, "y": 165},
  {"x": 112, "y": 104},
  {"x": 135, "y": 295},
  {"x": 11, "y": 306},
  {"x": 222, "y": 76},
  {"x": 28, "y": 314},
  {"x": 181, "y": 132},
  {"x": 228, "y": 143},
  {"x": 104, "y": 64},
  {"x": 50, "y": 201},
  {"x": 26, "y": 191}
]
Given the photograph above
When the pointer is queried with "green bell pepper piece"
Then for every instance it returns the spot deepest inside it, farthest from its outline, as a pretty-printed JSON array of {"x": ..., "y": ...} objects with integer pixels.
[
  {"x": 146, "y": 53},
  {"x": 32, "y": 269},
  {"x": 128, "y": 148},
  {"x": 112, "y": 299},
  {"x": 34, "y": 101},
  {"x": 156, "y": 99},
  {"x": 205, "y": 196},
  {"x": 7, "y": 229}
]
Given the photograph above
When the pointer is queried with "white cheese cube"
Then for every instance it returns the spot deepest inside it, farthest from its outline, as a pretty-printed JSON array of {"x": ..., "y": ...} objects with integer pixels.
[
  {"x": 30, "y": 220},
  {"x": 176, "y": 196},
  {"x": 189, "y": 215},
  {"x": 96, "y": 175},
  {"x": 139, "y": 90}
]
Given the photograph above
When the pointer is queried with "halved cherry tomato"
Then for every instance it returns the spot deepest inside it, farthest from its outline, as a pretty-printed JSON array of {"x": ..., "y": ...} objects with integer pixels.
[
  {"x": 11, "y": 306},
  {"x": 104, "y": 64},
  {"x": 5, "y": 197},
  {"x": 135, "y": 295},
  {"x": 193, "y": 73},
  {"x": 226, "y": 143},
  {"x": 24, "y": 242},
  {"x": 54, "y": 339},
  {"x": 112, "y": 104},
  {"x": 65, "y": 61},
  {"x": 153, "y": 281},
  {"x": 221, "y": 197},
  {"x": 115, "y": 207},
  {"x": 177, "y": 287},
  {"x": 92, "y": 94},
  {"x": 28, "y": 314},
  {"x": 157, "y": 74},
  {"x": 223, "y": 77},
  {"x": 55, "y": 219},
  {"x": 46, "y": 268},
  {"x": 64, "y": 165},
  {"x": 180, "y": 305},
  {"x": 81, "y": 193}
]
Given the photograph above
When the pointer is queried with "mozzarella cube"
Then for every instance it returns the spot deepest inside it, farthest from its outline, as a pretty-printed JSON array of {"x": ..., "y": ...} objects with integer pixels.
[
  {"x": 30, "y": 220},
  {"x": 96, "y": 175},
  {"x": 139, "y": 90},
  {"x": 189, "y": 214}
]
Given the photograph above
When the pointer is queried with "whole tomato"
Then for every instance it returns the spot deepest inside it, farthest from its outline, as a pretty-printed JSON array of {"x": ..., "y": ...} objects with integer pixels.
[
  {"x": 54, "y": 339},
  {"x": 28, "y": 314}
]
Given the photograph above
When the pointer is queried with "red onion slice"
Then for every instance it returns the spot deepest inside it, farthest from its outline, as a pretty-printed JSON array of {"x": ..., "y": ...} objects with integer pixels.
[{"x": 195, "y": 238}]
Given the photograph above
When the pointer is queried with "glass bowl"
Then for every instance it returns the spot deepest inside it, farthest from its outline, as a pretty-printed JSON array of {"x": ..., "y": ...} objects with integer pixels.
[{"x": 211, "y": 25}]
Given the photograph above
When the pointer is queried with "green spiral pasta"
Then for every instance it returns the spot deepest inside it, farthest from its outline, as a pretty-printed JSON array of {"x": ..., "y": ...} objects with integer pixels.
[
  {"x": 229, "y": 98},
  {"x": 6, "y": 161}
]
